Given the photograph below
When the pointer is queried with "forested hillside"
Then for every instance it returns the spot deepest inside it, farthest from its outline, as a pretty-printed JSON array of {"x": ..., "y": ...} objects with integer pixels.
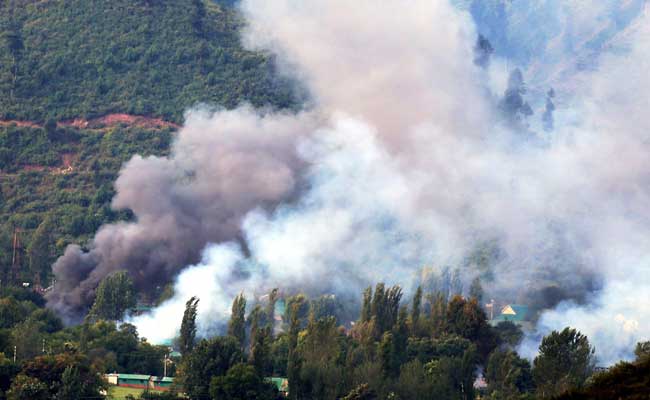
[
  {"x": 86, "y": 58},
  {"x": 64, "y": 65}
]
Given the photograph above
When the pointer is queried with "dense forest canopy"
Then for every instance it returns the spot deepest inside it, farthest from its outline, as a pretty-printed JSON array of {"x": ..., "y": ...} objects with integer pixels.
[{"x": 82, "y": 59}]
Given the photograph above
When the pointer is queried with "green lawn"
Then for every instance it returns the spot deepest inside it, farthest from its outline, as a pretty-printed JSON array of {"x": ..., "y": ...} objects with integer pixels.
[{"x": 119, "y": 393}]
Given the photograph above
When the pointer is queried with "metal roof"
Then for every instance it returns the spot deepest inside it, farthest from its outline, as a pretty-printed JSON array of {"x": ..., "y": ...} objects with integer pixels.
[
  {"x": 281, "y": 383},
  {"x": 134, "y": 376},
  {"x": 513, "y": 312},
  {"x": 163, "y": 379}
]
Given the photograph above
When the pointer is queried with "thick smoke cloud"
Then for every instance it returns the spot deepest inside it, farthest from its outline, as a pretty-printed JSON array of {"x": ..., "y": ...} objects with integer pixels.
[
  {"x": 616, "y": 125},
  {"x": 405, "y": 163},
  {"x": 198, "y": 194}
]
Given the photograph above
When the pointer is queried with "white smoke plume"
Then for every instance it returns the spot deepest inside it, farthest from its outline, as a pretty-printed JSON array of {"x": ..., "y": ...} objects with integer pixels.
[
  {"x": 402, "y": 162},
  {"x": 615, "y": 193}
]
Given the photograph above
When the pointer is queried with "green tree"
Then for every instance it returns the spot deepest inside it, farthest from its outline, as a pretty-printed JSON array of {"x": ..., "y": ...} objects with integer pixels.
[
  {"x": 294, "y": 306},
  {"x": 438, "y": 318},
  {"x": 467, "y": 319},
  {"x": 27, "y": 337},
  {"x": 8, "y": 372},
  {"x": 188, "y": 326},
  {"x": 565, "y": 361},
  {"x": 260, "y": 355},
  {"x": 385, "y": 307},
  {"x": 71, "y": 385},
  {"x": 14, "y": 42},
  {"x": 416, "y": 305},
  {"x": 115, "y": 295},
  {"x": 642, "y": 351},
  {"x": 254, "y": 321},
  {"x": 11, "y": 312},
  {"x": 241, "y": 382},
  {"x": 509, "y": 333},
  {"x": 320, "y": 363},
  {"x": 27, "y": 388},
  {"x": 508, "y": 375},
  {"x": 81, "y": 376},
  {"x": 48, "y": 319},
  {"x": 279, "y": 354},
  {"x": 629, "y": 381},
  {"x": 393, "y": 346},
  {"x": 415, "y": 383},
  {"x": 270, "y": 308},
  {"x": 455, "y": 375},
  {"x": 209, "y": 358},
  {"x": 386, "y": 355},
  {"x": 41, "y": 250},
  {"x": 260, "y": 342},
  {"x": 237, "y": 323},
  {"x": 366, "y": 308}
]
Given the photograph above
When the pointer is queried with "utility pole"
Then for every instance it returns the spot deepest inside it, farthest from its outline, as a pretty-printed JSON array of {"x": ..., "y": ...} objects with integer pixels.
[
  {"x": 165, "y": 367},
  {"x": 490, "y": 306},
  {"x": 14, "y": 354},
  {"x": 43, "y": 346}
]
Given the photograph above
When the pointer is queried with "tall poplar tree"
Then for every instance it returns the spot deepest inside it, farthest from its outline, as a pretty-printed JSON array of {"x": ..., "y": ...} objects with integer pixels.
[
  {"x": 188, "y": 326},
  {"x": 237, "y": 324}
]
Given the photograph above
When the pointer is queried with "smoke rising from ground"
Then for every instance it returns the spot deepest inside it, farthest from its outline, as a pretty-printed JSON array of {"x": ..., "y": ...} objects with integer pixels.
[
  {"x": 405, "y": 163},
  {"x": 198, "y": 194}
]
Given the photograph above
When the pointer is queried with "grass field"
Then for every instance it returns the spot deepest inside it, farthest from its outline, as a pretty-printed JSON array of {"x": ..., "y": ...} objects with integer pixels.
[{"x": 120, "y": 393}]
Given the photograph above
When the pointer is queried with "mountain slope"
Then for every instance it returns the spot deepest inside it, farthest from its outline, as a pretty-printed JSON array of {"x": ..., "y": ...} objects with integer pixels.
[
  {"x": 87, "y": 58},
  {"x": 85, "y": 85}
]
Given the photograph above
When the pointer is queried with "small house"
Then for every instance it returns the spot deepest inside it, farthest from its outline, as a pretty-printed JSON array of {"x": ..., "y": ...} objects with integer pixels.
[
  {"x": 161, "y": 383},
  {"x": 282, "y": 384},
  {"x": 141, "y": 381},
  {"x": 111, "y": 378},
  {"x": 133, "y": 380},
  {"x": 515, "y": 313}
]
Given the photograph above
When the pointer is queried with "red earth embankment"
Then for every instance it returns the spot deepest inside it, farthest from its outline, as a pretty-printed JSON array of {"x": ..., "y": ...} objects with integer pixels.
[{"x": 106, "y": 121}]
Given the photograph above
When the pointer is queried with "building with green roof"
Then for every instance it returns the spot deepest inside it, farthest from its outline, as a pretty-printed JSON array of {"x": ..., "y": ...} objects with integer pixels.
[
  {"x": 143, "y": 381},
  {"x": 515, "y": 313},
  {"x": 282, "y": 384},
  {"x": 162, "y": 383},
  {"x": 133, "y": 380}
]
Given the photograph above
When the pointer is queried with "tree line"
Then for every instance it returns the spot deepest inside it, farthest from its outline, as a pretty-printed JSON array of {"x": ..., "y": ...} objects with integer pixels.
[
  {"x": 433, "y": 345},
  {"x": 431, "y": 348}
]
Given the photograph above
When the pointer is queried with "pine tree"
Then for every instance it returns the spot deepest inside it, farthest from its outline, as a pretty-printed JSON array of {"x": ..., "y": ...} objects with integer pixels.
[{"x": 188, "y": 326}]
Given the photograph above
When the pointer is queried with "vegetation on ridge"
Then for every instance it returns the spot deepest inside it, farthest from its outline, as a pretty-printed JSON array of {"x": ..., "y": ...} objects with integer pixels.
[{"x": 87, "y": 58}]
